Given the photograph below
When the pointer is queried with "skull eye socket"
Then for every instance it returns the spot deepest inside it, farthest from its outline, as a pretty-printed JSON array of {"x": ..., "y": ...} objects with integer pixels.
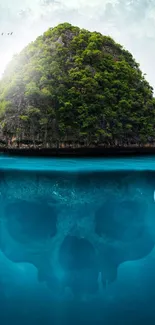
[
  {"x": 30, "y": 221},
  {"x": 121, "y": 220}
]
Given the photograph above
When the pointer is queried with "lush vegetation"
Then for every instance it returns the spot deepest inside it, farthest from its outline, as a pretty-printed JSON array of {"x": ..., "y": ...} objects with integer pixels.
[{"x": 72, "y": 85}]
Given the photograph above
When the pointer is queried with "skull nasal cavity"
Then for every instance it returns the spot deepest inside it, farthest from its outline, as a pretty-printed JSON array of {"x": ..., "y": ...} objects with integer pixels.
[{"x": 76, "y": 254}]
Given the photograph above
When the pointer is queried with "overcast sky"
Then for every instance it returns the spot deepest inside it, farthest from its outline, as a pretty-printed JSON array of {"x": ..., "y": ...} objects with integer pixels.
[{"x": 129, "y": 22}]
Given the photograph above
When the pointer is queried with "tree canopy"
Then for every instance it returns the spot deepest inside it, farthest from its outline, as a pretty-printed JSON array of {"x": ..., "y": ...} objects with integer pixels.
[{"x": 73, "y": 85}]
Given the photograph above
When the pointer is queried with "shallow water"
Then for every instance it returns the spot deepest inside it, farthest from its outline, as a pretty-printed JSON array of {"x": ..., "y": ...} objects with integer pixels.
[{"x": 77, "y": 241}]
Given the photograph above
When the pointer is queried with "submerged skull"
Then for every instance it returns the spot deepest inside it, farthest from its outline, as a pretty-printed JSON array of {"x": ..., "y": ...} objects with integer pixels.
[{"x": 88, "y": 239}]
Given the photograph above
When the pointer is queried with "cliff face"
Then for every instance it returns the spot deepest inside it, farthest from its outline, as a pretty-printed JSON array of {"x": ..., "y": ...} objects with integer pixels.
[{"x": 75, "y": 86}]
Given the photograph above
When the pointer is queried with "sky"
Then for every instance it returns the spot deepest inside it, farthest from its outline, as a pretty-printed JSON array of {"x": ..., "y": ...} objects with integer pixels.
[{"x": 129, "y": 22}]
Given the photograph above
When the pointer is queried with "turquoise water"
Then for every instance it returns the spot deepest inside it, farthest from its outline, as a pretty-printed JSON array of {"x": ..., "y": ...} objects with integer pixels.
[
  {"x": 77, "y": 241},
  {"x": 74, "y": 165}
]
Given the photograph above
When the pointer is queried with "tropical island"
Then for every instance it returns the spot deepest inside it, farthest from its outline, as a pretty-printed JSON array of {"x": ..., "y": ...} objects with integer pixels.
[{"x": 77, "y": 90}]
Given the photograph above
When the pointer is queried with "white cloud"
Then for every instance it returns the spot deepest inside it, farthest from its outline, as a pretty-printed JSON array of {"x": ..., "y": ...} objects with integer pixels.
[{"x": 130, "y": 22}]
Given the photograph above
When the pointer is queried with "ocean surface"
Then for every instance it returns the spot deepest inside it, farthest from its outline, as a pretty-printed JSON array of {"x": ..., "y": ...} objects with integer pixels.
[{"x": 77, "y": 241}]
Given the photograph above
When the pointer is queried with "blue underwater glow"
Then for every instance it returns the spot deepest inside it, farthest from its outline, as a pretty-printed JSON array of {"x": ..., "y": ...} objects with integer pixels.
[{"x": 77, "y": 241}]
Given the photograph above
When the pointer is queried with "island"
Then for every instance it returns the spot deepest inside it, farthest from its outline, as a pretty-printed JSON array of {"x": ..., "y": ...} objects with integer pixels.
[{"x": 75, "y": 92}]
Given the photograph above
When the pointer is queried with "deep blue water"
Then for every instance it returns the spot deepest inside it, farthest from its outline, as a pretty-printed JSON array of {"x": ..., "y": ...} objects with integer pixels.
[{"x": 77, "y": 241}]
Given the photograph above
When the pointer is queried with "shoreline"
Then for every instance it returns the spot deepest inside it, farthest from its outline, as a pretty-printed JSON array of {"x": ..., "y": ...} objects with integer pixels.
[{"x": 79, "y": 152}]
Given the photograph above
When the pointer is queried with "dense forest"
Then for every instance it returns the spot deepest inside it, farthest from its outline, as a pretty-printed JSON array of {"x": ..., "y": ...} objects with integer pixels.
[{"x": 75, "y": 87}]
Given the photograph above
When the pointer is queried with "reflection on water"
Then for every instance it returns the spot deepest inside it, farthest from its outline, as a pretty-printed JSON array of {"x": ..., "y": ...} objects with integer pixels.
[{"x": 77, "y": 247}]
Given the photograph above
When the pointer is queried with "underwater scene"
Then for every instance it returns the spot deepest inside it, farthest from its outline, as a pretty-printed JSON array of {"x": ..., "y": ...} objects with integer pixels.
[{"x": 77, "y": 241}]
